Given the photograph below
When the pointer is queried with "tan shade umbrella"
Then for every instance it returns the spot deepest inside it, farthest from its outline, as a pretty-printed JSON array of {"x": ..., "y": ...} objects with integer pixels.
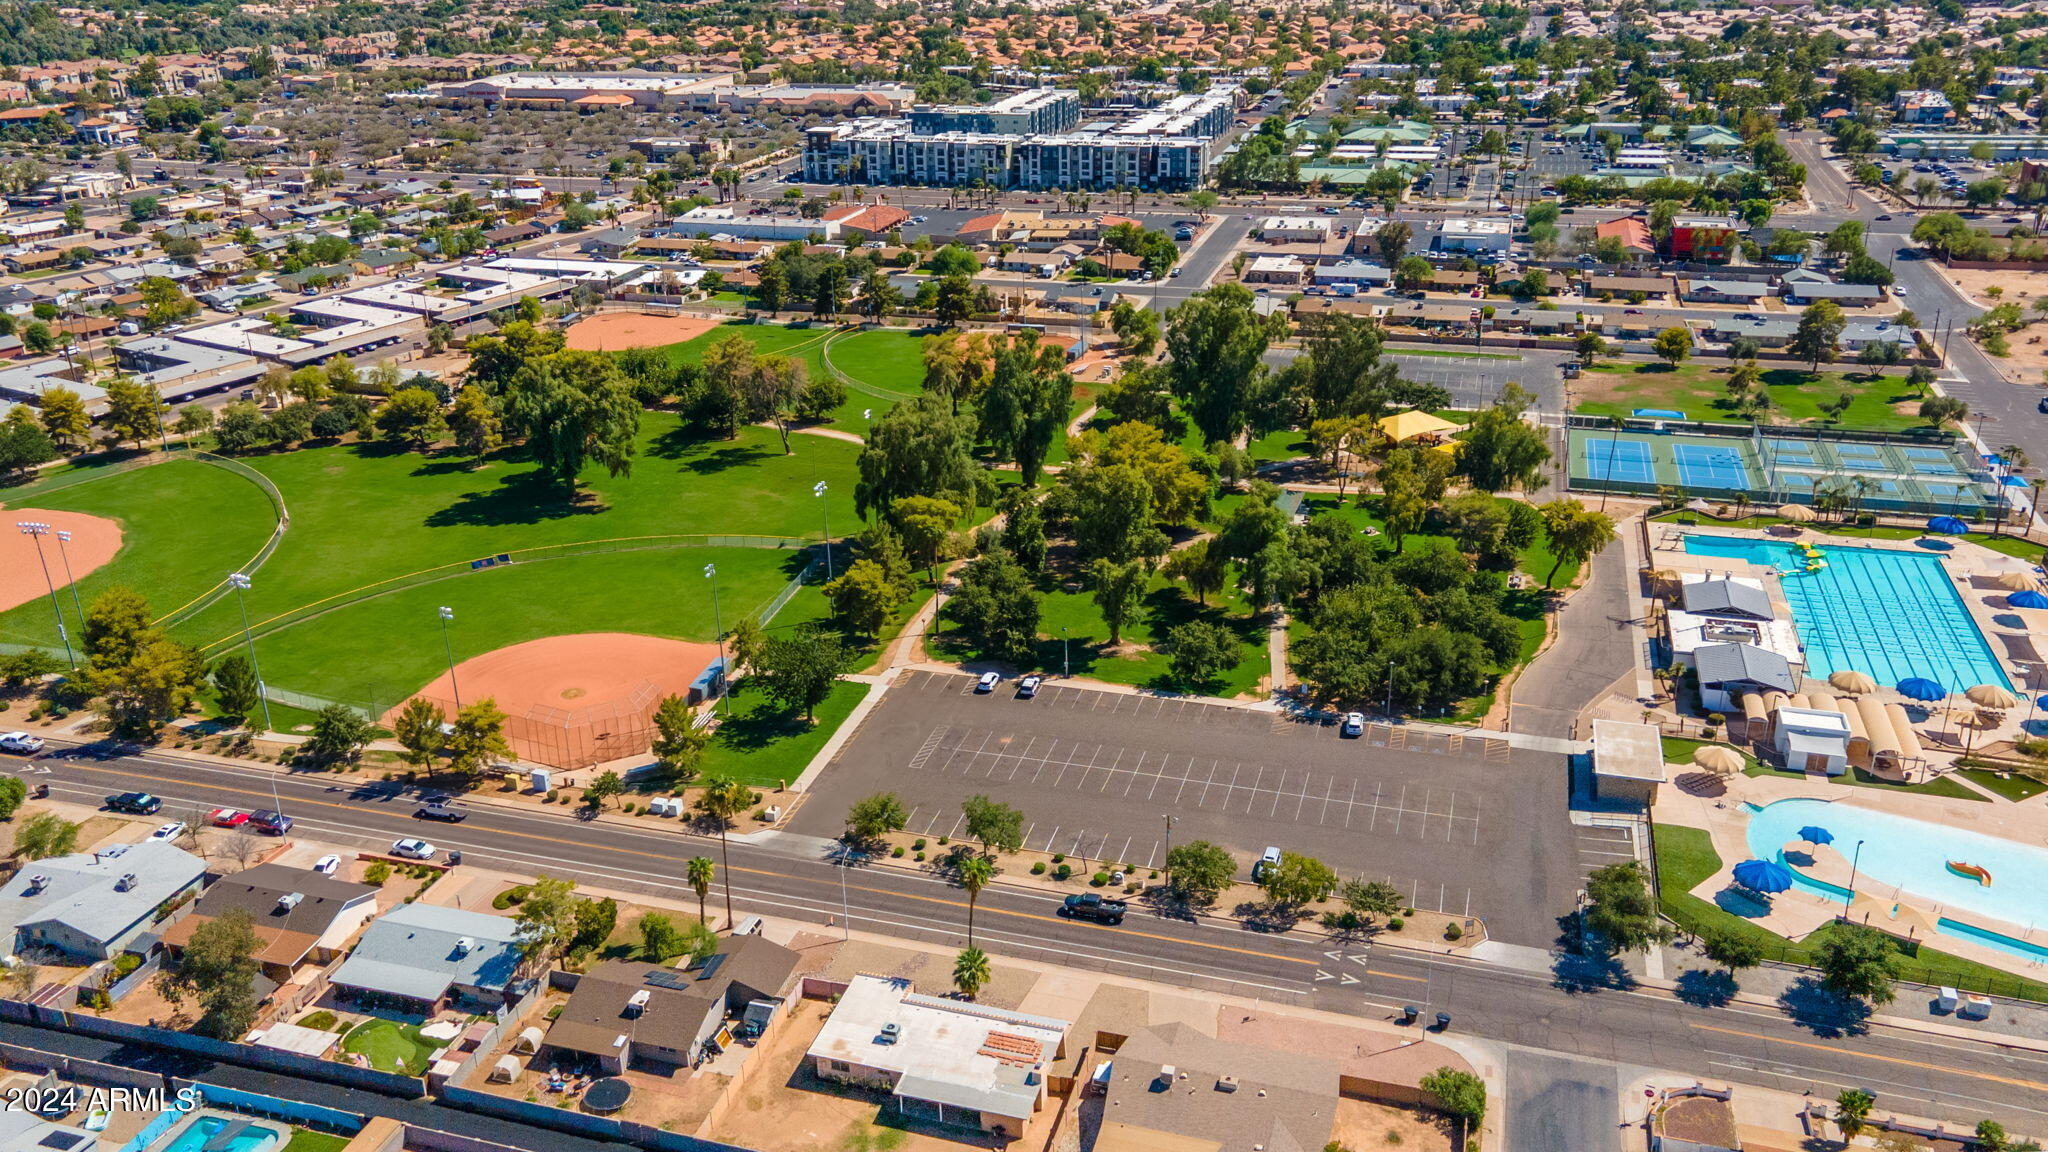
[
  {"x": 1853, "y": 682},
  {"x": 1797, "y": 512},
  {"x": 1992, "y": 696},
  {"x": 2016, "y": 581},
  {"x": 1718, "y": 758}
]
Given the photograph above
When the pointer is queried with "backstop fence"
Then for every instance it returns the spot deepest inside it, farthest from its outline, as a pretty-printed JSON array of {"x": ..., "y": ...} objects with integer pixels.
[{"x": 580, "y": 737}]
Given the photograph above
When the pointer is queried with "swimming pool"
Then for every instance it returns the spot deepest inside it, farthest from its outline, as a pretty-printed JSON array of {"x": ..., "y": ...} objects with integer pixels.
[
  {"x": 1906, "y": 856},
  {"x": 1887, "y": 614},
  {"x": 201, "y": 1132}
]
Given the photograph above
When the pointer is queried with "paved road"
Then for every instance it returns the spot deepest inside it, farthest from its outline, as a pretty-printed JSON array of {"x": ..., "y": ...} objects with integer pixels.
[
  {"x": 1518, "y": 1001},
  {"x": 1594, "y": 647},
  {"x": 1562, "y": 1102}
]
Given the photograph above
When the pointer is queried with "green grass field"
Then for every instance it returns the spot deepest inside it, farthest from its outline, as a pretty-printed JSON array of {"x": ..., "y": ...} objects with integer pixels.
[
  {"x": 391, "y": 1047},
  {"x": 886, "y": 365},
  {"x": 765, "y": 748},
  {"x": 1700, "y": 391}
]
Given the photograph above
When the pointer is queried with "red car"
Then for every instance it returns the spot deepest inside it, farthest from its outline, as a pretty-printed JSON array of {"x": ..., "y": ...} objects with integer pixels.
[{"x": 227, "y": 818}]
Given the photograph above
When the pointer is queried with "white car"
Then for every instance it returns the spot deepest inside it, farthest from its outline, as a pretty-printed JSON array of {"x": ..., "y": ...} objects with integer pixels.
[
  {"x": 169, "y": 832},
  {"x": 1354, "y": 724},
  {"x": 410, "y": 849},
  {"x": 21, "y": 743},
  {"x": 988, "y": 682},
  {"x": 327, "y": 865}
]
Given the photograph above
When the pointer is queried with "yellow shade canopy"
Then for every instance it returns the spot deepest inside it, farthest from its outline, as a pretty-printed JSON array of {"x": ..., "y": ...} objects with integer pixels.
[{"x": 1412, "y": 423}]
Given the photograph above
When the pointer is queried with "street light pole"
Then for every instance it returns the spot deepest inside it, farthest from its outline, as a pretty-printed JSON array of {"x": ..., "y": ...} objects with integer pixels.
[
  {"x": 1066, "y": 666},
  {"x": 1170, "y": 819},
  {"x": 825, "y": 511},
  {"x": 1853, "y": 863},
  {"x": 446, "y": 613},
  {"x": 711, "y": 574},
  {"x": 241, "y": 586},
  {"x": 35, "y": 531},
  {"x": 63, "y": 538}
]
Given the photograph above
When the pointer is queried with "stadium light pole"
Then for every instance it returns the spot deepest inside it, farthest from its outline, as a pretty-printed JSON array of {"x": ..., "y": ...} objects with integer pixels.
[
  {"x": 63, "y": 538},
  {"x": 35, "y": 531},
  {"x": 825, "y": 511},
  {"x": 240, "y": 582},
  {"x": 711, "y": 574},
  {"x": 446, "y": 613}
]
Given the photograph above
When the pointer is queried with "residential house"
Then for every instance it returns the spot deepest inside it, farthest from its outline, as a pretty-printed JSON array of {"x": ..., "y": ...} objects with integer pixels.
[
  {"x": 1285, "y": 270},
  {"x": 1804, "y": 287},
  {"x": 92, "y": 906},
  {"x": 1922, "y": 106},
  {"x": 299, "y": 915},
  {"x": 624, "y": 1010},
  {"x": 419, "y": 957},
  {"x": 943, "y": 1060},
  {"x": 1726, "y": 291},
  {"x": 1172, "y": 1087},
  {"x": 1767, "y": 331},
  {"x": 1650, "y": 287},
  {"x": 1631, "y": 231}
]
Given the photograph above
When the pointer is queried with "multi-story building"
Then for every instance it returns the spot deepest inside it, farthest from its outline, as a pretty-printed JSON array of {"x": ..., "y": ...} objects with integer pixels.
[
  {"x": 1168, "y": 147},
  {"x": 1922, "y": 106}
]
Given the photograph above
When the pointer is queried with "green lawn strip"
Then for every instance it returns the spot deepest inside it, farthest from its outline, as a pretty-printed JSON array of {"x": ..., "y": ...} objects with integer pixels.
[
  {"x": 374, "y": 653},
  {"x": 2015, "y": 546},
  {"x": 1286, "y": 444},
  {"x": 762, "y": 746},
  {"x": 390, "y": 1046},
  {"x": 366, "y": 514},
  {"x": 1679, "y": 750},
  {"x": 2013, "y": 786},
  {"x": 307, "y": 1140},
  {"x": 184, "y": 527},
  {"x": 1858, "y": 778},
  {"x": 1701, "y": 392},
  {"x": 1686, "y": 857}
]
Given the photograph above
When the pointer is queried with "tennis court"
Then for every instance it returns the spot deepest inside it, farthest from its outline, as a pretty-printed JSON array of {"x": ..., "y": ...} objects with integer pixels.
[{"x": 1707, "y": 462}]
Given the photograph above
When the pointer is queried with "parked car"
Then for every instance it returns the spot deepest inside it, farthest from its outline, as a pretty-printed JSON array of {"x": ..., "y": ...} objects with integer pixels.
[
  {"x": 1028, "y": 686},
  {"x": 273, "y": 823},
  {"x": 21, "y": 743},
  {"x": 227, "y": 817},
  {"x": 411, "y": 849},
  {"x": 988, "y": 682},
  {"x": 135, "y": 803},
  {"x": 327, "y": 865},
  {"x": 1354, "y": 724},
  {"x": 1270, "y": 858},
  {"x": 168, "y": 832}
]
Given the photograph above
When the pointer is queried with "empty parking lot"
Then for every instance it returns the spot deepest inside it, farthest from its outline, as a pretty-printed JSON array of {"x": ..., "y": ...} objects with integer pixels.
[{"x": 1460, "y": 824}]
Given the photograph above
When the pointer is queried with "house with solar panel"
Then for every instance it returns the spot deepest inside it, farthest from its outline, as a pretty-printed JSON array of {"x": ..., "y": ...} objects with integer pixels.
[{"x": 623, "y": 1011}]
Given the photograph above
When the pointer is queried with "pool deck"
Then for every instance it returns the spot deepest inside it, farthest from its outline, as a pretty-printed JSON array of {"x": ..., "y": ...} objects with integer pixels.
[
  {"x": 1972, "y": 570},
  {"x": 1715, "y": 803}
]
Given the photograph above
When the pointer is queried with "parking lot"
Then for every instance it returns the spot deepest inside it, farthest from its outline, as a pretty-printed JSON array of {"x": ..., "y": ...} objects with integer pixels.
[{"x": 1460, "y": 824}]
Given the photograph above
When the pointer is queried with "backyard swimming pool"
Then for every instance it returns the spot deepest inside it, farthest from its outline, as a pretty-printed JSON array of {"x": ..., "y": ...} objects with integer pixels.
[
  {"x": 1888, "y": 614},
  {"x": 1903, "y": 858},
  {"x": 249, "y": 1138}
]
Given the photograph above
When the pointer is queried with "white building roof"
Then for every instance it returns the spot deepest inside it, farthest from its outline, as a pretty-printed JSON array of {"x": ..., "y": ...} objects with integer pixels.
[{"x": 943, "y": 1049}]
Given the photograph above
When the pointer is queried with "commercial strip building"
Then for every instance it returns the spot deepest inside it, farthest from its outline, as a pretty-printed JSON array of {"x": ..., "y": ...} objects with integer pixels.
[{"x": 1032, "y": 139}]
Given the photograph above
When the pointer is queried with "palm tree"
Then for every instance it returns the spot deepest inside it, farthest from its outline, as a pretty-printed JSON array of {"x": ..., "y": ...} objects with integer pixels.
[
  {"x": 701, "y": 871},
  {"x": 974, "y": 874},
  {"x": 724, "y": 799},
  {"x": 970, "y": 971}
]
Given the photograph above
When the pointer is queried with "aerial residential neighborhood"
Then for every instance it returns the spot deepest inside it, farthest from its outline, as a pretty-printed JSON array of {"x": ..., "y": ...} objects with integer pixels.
[{"x": 1048, "y": 577}]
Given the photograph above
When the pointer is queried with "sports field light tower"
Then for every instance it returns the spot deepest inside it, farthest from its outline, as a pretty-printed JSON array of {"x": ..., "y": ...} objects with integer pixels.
[
  {"x": 35, "y": 531},
  {"x": 240, "y": 582}
]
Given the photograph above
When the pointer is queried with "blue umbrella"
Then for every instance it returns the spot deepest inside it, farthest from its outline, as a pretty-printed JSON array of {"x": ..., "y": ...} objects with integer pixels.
[
  {"x": 2027, "y": 599},
  {"x": 1816, "y": 835},
  {"x": 1948, "y": 525},
  {"x": 1921, "y": 688},
  {"x": 1763, "y": 876}
]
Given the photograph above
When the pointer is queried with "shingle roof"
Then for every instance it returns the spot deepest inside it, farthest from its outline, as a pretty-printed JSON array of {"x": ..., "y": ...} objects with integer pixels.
[{"x": 1743, "y": 663}]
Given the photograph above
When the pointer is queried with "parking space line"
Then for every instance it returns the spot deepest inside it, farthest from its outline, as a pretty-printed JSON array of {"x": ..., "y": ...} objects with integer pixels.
[
  {"x": 1351, "y": 805},
  {"x": 1109, "y": 776},
  {"x": 1185, "y": 777},
  {"x": 1254, "y": 790},
  {"x": 956, "y": 825},
  {"x": 1049, "y": 837},
  {"x": 1302, "y": 800},
  {"x": 1378, "y": 787},
  {"x": 1451, "y": 823},
  {"x": 1156, "y": 778},
  {"x": 1279, "y": 790},
  {"x": 1400, "y": 809}
]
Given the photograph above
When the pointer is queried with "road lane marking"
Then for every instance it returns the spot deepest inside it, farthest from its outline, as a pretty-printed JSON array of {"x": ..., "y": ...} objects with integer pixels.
[{"x": 2012, "y": 1081}]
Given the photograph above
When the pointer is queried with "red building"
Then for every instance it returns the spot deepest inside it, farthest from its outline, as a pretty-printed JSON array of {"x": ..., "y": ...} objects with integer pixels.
[{"x": 1702, "y": 240}]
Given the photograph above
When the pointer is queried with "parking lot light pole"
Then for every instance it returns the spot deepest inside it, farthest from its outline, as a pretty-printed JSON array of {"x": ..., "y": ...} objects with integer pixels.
[
  {"x": 36, "y": 531},
  {"x": 1169, "y": 818},
  {"x": 818, "y": 490},
  {"x": 1066, "y": 666},
  {"x": 446, "y": 613},
  {"x": 711, "y": 574},
  {"x": 241, "y": 586}
]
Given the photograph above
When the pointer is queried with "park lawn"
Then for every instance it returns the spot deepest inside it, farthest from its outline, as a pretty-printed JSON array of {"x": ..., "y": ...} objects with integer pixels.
[
  {"x": 1858, "y": 778},
  {"x": 1286, "y": 444},
  {"x": 2012, "y": 786},
  {"x": 1535, "y": 562},
  {"x": 1166, "y": 606},
  {"x": 764, "y": 747},
  {"x": 1679, "y": 749},
  {"x": 1700, "y": 391},
  {"x": 1686, "y": 857},
  {"x": 885, "y": 366},
  {"x": 364, "y": 514},
  {"x": 374, "y": 653},
  {"x": 390, "y": 1046},
  {"x": 184, "y": 526}
]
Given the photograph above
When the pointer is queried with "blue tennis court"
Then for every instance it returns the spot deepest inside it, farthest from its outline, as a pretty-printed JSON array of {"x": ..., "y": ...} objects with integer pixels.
[
  {"x": 1706, "y": 466},
  {"x": 1925, "y": 453},
  {"x": 1940, "y": 467},
  {"x": 1624, "y": 460},
  {"x": 1790, "y": 452}
]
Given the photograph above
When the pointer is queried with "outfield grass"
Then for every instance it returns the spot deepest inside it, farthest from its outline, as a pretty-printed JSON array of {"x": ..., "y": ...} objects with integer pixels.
[
  {"x": 1700, "y": 391},
  {"x": 184, "y": 526},
  {"x": 886, "y": 365},
  {"x": 1686, "y": 858}
]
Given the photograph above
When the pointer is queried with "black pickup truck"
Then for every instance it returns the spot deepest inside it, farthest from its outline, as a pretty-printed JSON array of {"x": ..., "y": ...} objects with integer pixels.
[{"x": 1089, "y": 906}]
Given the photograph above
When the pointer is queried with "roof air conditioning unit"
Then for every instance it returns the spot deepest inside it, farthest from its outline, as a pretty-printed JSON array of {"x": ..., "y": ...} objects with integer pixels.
[
  {"x": 637, "y": 1003},
  {"x": 463, "y": 946},
  {"x": 1226, "y": 1084},
  {"x": 126, "y": 882},
  {"x": 1166, "y": 1074},
  {"x": 290, "y": 900},
  {"x": 36, "y": 883}
]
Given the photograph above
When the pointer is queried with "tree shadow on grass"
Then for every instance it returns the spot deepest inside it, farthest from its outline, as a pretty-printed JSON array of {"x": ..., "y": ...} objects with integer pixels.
[
  {"x": 731, "y": 454},
  {"x": 1822, "y": 1012},
  {"x": 759, "y": 726},
  {"x": 528, "y": 497}
]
